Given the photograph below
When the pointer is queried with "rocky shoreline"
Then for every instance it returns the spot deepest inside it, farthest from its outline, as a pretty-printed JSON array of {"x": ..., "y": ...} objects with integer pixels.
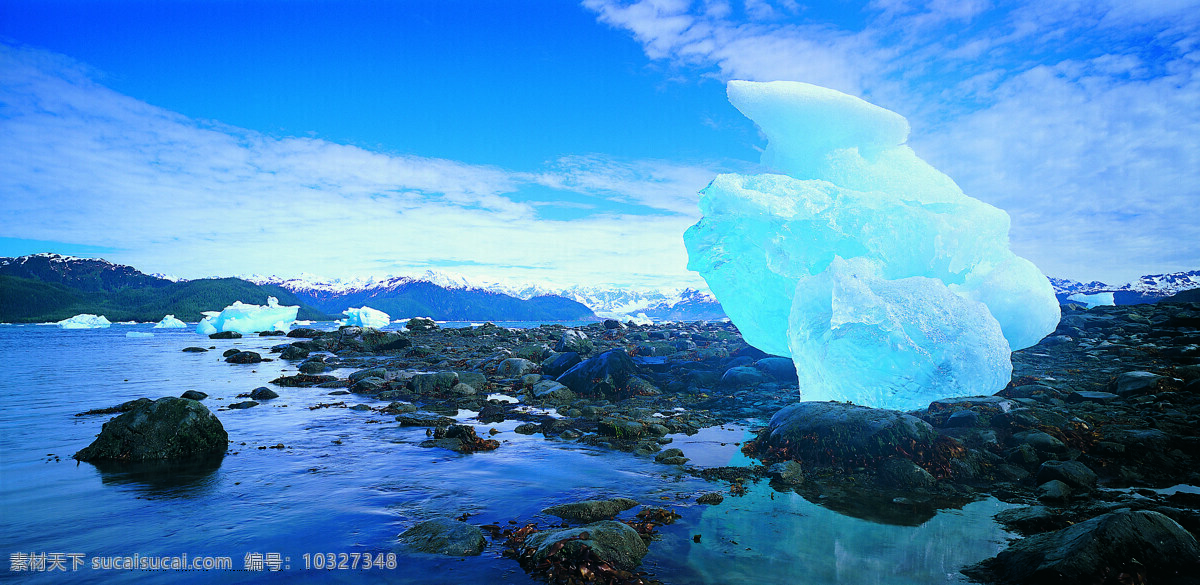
[{"x": 1098, "y": 419}]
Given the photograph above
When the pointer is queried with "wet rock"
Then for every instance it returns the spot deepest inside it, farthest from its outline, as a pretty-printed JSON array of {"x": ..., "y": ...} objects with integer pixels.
[
  {"x": 420, "y": 324},
  {"x": 904, "y": 474},
  {"x": 672, "y": 456},
  {"x": 527, "y": 429},
  {"x": 292, "y": 352},
  {"x": 1087, "y": 396},
  {"x": 304, "y": 333},
  {"x": 613, "y": 324},
  {"x": 122, "y": 407},
  {"x": 374, "y": 340},
  {"x": 840, "y": 434},
  {"x": 574, "y": 341},
  {"x": 225, "y": 335},
  {"x": 460, "y": 438},
  {"x": 165, "y": 429},
  {"x": 244, "y": 357},
  {"x": 423, "y": 419},
  {"x": 397, "y": 407},
  {"x": 743, "y": 376},
  {"x": 368, "y": 373},
  {"x": 370, "y": 385},
  {"x": 787, "y": 472},
  {"x": 514, "y": 367},
  {"x": 194, "y": 349},
  {"x": 1073, "y": 473},
  {"x": 711, "y": 498},
  {"x": 194, "y": 395},
  {"x": 1145, "y": 546},
  {"x": 552, "y": 392},
  {"x": 1054, "y": 491},
  {"x": 612, "y": 542},
  {"x": 230, "y": 352},
  {"x": 243, "y": 405},
  {"x": 263, "y": 393},
  {"x": 303, "y": 380},
  {"x": 491, "y": 413},
  {"x": 557, "y": 364},
  {"x": 607, "y": 375},
  {"x": 589, "y": 511},
  {"x": 1040, "y": 441},
  {"x": 433, "y": 384},
  {"x": 1033, "y": 519},
  {"x": 779, "y": 368},
  {"x": 444, "y": 536},
  {"x": 1134, "y": 383},
  {"x": 312, "y": 367}
]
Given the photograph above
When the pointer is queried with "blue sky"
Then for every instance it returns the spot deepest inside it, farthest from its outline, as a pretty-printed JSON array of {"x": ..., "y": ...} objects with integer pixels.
[{"x": 564, "y": 143}]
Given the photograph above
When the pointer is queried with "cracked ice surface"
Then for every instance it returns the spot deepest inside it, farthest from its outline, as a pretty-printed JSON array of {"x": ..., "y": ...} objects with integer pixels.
[{"x": 886, "y": 284}]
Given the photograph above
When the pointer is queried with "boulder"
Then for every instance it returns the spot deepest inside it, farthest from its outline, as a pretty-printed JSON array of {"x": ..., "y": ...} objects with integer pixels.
[
  {"x": 1134, "y": 383},
  {"x": 589, "y": 511},
  {"x": 244, "y": 357},
  {"x": 1073, "y": 473},
  {"x": 263, "y": 393},
  {"x": 166, "y": 429},
  {"x": 842, "y": 434},
  {"x": 1146, "y": 546},
  {"x": 421, "y": 324},
  {"x": 515, "y": 367},
  {"x": 744, "y": 376},
  {"x": 574, "y": 341},
  {"x": 607, "y": 375},
  {"x": 613, "y": 542},
  {"x": 557, "y": 364},
  {"x": 444, "y": 536}
]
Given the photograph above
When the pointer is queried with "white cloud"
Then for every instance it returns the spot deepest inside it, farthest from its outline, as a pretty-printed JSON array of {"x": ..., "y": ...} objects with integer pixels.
[
  {"x": 80, "y": 163},
  {"x": 1077, "y": 117}
]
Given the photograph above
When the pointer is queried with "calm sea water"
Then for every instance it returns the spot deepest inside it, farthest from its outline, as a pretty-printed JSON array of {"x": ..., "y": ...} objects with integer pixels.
[{"x": 349, "y": 482}]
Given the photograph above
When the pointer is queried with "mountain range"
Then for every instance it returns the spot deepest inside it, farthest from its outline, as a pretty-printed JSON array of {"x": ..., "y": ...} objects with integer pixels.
[{"x": 51, "y": 287}]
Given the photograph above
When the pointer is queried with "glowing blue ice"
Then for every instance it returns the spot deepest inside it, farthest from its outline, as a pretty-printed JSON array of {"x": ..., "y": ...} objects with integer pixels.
[
  {"x": 885, "y": 283},
  {"x": 246, "y": 319},
  {"x": 365, "y": 317},
  {"x": 170, "y": 322},
  {"x": 85, "y": 321},
  {"x": 1093, "y": 300}
]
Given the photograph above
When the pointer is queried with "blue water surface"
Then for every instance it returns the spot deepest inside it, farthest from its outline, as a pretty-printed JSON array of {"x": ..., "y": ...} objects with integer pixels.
[{"x": 349, "y": 481}]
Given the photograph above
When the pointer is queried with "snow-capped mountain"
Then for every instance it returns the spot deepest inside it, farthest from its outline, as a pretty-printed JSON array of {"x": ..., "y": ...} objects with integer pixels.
[{"x": 1148, "y": 288}]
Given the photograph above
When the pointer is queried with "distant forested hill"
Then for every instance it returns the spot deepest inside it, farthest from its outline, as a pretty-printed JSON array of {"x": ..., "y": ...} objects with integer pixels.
[{"x": 48, "y": 287}]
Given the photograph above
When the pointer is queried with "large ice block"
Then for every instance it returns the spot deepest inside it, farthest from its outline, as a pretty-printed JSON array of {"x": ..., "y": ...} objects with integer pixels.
[
  {"x": 886, "y": 284},
  {"x": 246, "y": 319}
]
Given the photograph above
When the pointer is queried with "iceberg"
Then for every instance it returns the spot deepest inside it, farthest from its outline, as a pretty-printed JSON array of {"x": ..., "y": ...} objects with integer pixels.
[
  {"x": 84, "y": 321},
  {"x": 139, "y": 335},
  {"x": 247, "y": 319},
  {"x": 885, "y": 283},
  {"x": 170, "y": 322},
  {"x": 365, "y": 317},
  {"x": 1094, "y": 300}
]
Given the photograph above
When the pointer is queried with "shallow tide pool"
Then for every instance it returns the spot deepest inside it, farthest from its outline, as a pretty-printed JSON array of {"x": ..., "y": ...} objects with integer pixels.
[{"x": 349, "y": 481}]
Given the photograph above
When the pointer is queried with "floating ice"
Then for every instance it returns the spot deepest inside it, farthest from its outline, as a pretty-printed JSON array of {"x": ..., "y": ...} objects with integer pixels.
[
  {"x": 1093, "y": 300},
  {"x": 365, "y": 317},
  {"x": 84, "y": 321},
  {"x": 885, "y": 283},
  {"x": 246, "y": 319},
  {"x": 139, "y": 335},
  {"x": 170, "y": 322}
]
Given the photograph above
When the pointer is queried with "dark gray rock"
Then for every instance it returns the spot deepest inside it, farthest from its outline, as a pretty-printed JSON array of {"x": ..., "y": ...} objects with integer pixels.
[
  {"x": 613, "y": 542},
  {"x": 263, "y": 393},
  {"x": 421, "y": 324},
  {"x": 292, "y": 352},
  {"x": 607, "y": 375},
  {"x": 835, "y": 433},
  {"x": 904, "y": 474},
  {"x": 514, "y": 367},
  {"x": 591, "y": 510},
  {"x": 744, "y": 376},
  {"x": 244, "y": 357},
  {"x": 368, "y": 373},
  {"x": 433, "y": 384},
  {"x": 444, "y": 536},
  {"x": 1134, "y": 383},
  {"x": 1072, "y": 473},
  {"x": 1146, "y": 546},
  {"x": 1054, "y": 491},
  {"x": 574, "y": 341},
  {"x": 424, "y": 419},
  {"x": 304, "y": 333},
  {"x": 779, "y": 368},
  {"x": 557, "y": 364},
  {"x": 194, "y": 395},
  {"x": 194, "y": 349},
  {"x": 165, "y": 429},
  {"x": 243, "y": 405},
  {"x": 225, "y": 335},
  {"x": 1087, "y": 396},
  {"x": 313, "y": 367},
  {"x": 711, "y": 499},
  {"x": 552, "y": 392},
  {"x": 787, "y": 472},
  {"x": 1040, "y": 441}
]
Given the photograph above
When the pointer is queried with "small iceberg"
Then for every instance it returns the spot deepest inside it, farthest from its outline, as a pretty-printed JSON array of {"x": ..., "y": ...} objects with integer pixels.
[
  {"x": 365, "y": 317},
  {"x": 1094, "y": 300},
  {"x": 139, "y": 335},
  {"x": 247, "y": 319},
  {"x": 170, "y": 322},
  {"x": 85, "y": 321}
]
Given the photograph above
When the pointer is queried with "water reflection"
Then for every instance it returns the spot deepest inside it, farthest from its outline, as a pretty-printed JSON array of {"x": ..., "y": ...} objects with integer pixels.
[{"x": 163, "y": 479}]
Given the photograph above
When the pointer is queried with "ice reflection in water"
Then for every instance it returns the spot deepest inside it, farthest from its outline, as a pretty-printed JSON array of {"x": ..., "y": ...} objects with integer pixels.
[{"x": 350, "y": 481}]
